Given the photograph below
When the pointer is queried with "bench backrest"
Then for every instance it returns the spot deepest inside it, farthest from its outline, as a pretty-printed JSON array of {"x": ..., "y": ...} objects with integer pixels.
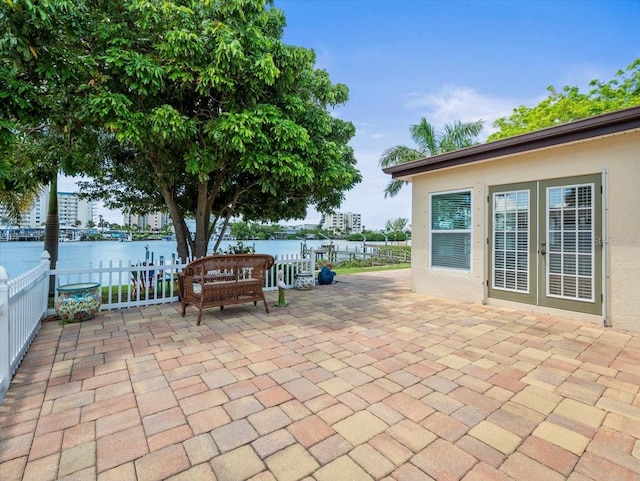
[{"x": 238, "y": 266}]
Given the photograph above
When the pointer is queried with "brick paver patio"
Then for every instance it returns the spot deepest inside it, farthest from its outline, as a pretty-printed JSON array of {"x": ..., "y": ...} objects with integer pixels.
[{"x": 359, "y": 380}]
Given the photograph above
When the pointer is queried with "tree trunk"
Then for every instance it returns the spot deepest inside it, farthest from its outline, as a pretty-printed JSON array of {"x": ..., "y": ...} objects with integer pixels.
[
  {"x": 52, "y": 231},
  {"x": 203, "y": 213},
  {"x": 183, "y": 236}
]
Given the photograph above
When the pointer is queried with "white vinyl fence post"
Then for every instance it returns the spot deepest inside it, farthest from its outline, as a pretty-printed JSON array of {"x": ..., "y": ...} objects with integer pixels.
[
  {"x": 46, "y": 257},
  {"x": 312, "y": 263},
  {"x": 5, "y": 361}
]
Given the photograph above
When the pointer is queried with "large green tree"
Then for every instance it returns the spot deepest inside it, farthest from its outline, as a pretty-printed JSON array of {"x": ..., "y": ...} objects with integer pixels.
[
  {"x": 197, "y": 108},
  {"x": 207, "y": 113},
  {"x": 429, "y": 142},
  {"x": 570, "y": 104}
]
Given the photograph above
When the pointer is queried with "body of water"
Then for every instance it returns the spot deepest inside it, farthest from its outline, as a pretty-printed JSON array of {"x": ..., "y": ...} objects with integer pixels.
[{"x": 19, "y": 257}]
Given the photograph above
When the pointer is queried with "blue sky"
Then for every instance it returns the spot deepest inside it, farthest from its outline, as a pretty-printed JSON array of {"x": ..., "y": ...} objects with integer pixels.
[
  {"x": 451, "y": 60},
  {"x": 447, "y": 61}
]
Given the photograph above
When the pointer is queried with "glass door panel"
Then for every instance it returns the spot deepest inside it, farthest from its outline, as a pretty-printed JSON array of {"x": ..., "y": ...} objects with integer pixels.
[
  {"x": 570, "y": 261},
  {"x": 542, "y": 247},
  {"x": 512, "y": 242}
]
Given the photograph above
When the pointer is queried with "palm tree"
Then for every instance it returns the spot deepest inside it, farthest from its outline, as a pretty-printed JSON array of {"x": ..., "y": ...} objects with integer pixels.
[
  {"x": 430, "y": 142},
  {"x": 15, "y": 202}
]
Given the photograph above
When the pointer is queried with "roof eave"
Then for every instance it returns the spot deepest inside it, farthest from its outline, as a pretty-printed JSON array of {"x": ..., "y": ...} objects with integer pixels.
[{"x": 597, "y": 126}]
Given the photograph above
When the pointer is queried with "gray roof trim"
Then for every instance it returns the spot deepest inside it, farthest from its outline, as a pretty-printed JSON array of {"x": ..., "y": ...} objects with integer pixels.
[{"x": 597, "y": 126}]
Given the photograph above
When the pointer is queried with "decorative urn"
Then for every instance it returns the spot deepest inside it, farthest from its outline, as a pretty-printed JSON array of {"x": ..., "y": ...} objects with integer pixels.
[{"x": 78, "y": 302}]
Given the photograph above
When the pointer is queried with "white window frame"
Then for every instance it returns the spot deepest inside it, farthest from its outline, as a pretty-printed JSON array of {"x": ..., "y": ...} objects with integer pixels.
[
  {"x": 451, "y": 231},
  {"x": 493, "y": 239},
  {"x": 576, "y": 298}
]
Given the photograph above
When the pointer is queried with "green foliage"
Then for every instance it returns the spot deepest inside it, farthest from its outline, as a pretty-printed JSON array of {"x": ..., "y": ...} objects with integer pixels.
[
  {"x": 44, "y": 72},
  {"x": 370, "y": 262},
  {"x": 240, "y": 230},
  {"x": 354, "y": 263},
  {"x": 394, "y": 250},
  {"x": 253, "y": 230},
  {"x": 430, "y": 142},
  {"x": 342, "y": 271},
  {"x": 397, "y": 225},
  {"x": 239, "y": 248},
  {"x": 394, "y": 236},
  {"x": 195, "y": 108},
  {"x": 570, "y": 104},
  {"x": 370, "y": 236}
]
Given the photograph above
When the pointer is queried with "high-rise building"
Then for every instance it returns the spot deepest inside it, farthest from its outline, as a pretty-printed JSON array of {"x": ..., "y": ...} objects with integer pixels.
[
  {"x": 343, "y": 223},
  {"x": 156, "y": 220},
  {"x": 71, "y": 210}
]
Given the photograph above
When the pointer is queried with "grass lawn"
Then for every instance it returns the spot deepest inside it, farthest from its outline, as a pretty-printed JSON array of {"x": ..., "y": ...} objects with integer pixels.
[{"x": 354, "y": 270}]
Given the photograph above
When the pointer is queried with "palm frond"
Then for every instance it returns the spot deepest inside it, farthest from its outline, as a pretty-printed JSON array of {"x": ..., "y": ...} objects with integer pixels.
[
  {"x": 455, "y": 136},
  {"x": 400, "y": 154},
  {"x": 424, "y": 134},
  {"x": 17, "y": 203},
  {"x": 460, "y": 135},
  {"x": 394, "y": 187}
]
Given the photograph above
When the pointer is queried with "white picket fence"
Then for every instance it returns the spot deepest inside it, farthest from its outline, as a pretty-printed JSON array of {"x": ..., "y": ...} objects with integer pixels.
[
  {"x": 23, "y": 305},
  {"x": 127, "y": 285},
  {"x": 24, "y": 300}
]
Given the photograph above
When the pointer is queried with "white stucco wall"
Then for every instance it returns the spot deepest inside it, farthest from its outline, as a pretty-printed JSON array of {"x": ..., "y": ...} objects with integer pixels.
[{"x": 619, "y": 154}]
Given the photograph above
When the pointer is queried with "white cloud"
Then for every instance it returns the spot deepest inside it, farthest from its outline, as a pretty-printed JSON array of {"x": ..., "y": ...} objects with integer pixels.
[
  {"x": 360, "y": 124},
  {"x": 452, "y": 103},
  {"x": 447, "y": 105}
]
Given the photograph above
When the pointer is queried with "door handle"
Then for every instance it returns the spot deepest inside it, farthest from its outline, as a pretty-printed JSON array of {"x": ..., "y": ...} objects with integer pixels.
[{"x": 543, "y": 248}]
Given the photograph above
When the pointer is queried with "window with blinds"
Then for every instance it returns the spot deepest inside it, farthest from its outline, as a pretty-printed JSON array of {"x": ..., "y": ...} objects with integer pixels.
[
  {"x": 451, "y": 230},
  {"x": 511, "y": 241},
  {"x": 570, "y": 238}
]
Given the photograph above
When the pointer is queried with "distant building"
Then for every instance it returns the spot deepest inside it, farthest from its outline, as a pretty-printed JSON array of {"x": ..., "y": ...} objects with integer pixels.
[
  {"x": 71, "y": 209},
  {"x": 343, "y": 223},
  {"x": 156, "y": 220}
]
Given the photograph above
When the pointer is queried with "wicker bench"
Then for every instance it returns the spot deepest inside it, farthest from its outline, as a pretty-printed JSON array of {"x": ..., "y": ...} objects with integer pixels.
[{"x": 223, "y": 280}]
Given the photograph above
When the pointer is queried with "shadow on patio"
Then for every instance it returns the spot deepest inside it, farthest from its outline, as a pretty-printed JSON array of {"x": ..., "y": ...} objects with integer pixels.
[{"x": 358, "y": 380}]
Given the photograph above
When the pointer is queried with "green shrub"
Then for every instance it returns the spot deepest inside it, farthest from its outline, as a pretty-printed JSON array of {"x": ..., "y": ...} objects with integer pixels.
[{"x": 239, "y": 248}]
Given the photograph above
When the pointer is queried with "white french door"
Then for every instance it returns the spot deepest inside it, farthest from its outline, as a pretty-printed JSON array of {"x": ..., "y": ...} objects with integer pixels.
[{"x": 543, "y": 247}]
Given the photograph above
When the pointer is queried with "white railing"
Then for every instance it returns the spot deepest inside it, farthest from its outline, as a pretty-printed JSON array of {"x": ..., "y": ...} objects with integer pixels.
[
  {"x": 126, "y": 285},
  {"x": 339, "y": 253},
  {"x": 23, "y": 305}
]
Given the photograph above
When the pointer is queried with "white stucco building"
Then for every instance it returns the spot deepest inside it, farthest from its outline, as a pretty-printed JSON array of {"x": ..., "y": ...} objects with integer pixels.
[{"x": 546, "y": 220}]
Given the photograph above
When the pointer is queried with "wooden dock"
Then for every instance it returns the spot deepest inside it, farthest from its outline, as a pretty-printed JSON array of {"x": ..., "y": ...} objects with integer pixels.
[{"x": 335, "y": 254}]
